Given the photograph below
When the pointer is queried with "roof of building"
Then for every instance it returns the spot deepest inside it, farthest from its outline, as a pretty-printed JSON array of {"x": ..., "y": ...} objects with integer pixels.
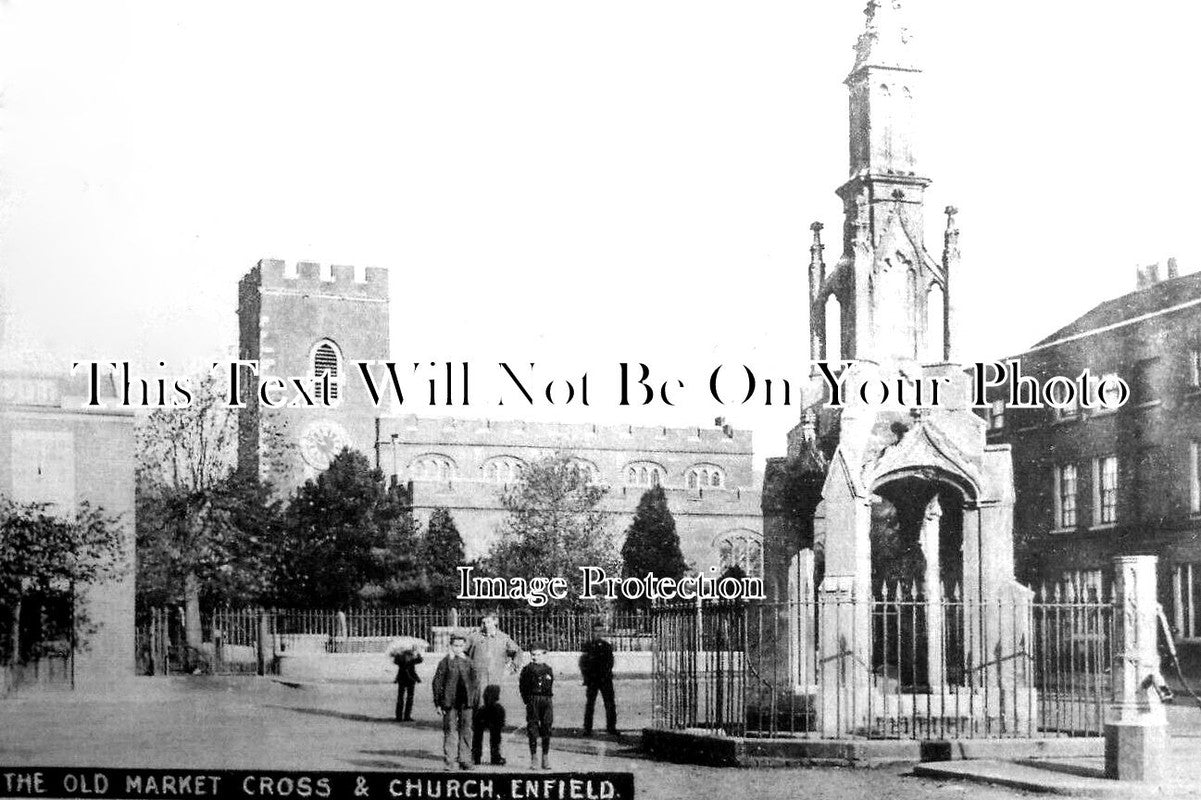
[{"x": 1158, "y": 297}]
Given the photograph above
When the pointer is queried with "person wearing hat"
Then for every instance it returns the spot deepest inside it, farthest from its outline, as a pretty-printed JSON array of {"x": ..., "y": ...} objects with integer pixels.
[
  {"x": 537, "y": 684},
  {"x": 596, "y": 668},
  {"x": 456, "y": 692},
  {"x": 494, "y": 655}
]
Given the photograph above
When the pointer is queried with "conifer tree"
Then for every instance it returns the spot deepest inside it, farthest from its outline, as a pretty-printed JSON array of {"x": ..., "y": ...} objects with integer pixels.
[
  {"x": 441, "y": 557},
  {"x": 652, "y": 544}
]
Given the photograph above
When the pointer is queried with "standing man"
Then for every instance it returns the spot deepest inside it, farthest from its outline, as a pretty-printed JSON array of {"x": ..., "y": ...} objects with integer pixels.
[
  {"x": 406, "y": 682},
  {"x": 596, "y": 668},
  {"x": 456, "y": 692},
  {"x": 494, "y": 654}
]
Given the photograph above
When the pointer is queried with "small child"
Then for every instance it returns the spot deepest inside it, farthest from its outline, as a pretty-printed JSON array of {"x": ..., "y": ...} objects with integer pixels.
[{"x": 536, "y": 684}]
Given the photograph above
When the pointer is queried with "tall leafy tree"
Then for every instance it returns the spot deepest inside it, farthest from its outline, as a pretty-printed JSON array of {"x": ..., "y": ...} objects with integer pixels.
[
  {"x": 652, "y": 544},
  {"x": 43, "y": 554},
  {"x": 201, "y": 526},
  {"x": 554, "y": 523},
  {"x": 441, "y": 556},
  {"x": 347, "y": 539}
]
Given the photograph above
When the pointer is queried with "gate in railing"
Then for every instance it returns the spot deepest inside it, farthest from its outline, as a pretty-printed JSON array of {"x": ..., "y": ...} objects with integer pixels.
[{"x": 895, "y": 666}]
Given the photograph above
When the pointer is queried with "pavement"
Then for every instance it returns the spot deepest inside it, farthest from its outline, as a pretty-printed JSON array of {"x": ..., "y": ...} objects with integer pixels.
[
  {"x": 257, "y": 723},
  {"x": 1085, "y": 777}
]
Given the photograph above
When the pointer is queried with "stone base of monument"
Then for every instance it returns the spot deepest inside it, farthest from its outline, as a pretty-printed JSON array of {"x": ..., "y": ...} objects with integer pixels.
[
  {"x": 1135, "y": 751},
  {"x": 946, "y": 713},
  {"x": 783, "y": 749}
]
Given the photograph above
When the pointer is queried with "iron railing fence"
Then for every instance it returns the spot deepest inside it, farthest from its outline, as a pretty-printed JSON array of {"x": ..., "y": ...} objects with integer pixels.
[
  {"x": 894, "y": 666},
  {"x": 250, "y": 640}
]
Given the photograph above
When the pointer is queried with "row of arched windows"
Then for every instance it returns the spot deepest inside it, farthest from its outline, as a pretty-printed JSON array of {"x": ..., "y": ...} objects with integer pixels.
[
  {"x": 507, "y": 469},
  {"x": 705, "y": 477}
]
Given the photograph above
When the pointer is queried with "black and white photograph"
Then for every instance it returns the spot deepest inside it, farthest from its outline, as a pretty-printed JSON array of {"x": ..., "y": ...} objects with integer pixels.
[{"x": 547, "y": 400}]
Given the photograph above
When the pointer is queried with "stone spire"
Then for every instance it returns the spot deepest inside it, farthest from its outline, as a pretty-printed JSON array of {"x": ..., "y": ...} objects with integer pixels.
[{"x": 889, "y": 289}]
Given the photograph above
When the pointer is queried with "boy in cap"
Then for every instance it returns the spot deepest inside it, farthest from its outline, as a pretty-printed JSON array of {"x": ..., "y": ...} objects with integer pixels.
[
  {"x": 536, "y": 683},
  {"x": 456, "y": 692}
]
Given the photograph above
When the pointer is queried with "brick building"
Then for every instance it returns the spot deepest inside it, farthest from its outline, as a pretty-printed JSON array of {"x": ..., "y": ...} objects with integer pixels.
[
  {"x": 305, "y": 319},
  {"x": 1095, "y": 483},
  {"x": 53, "y": 450}
]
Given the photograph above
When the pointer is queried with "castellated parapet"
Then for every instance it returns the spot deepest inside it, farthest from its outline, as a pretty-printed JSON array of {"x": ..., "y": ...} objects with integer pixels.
[
  {"x": 285, "y": 312},
  {"x": 309, "y": 277},
  {"x": 567, "y": 436}
]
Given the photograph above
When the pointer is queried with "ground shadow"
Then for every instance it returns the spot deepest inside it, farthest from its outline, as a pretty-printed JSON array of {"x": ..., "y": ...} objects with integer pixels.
[{"x": 329, "y": 712}]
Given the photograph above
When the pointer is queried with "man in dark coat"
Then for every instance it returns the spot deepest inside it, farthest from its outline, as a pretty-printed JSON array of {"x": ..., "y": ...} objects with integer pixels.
[
  {"x": 456, "y": 692},
  {"x": 406, "y": 681},
  {"x": 596, "y": 668}
]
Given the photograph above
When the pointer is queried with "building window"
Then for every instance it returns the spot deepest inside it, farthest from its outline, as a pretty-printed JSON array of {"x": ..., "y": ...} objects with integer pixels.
[
  {"x": 1186, "y": 598},
  {"x": 996, "y": 415},
  {"x": 503, "y": 469},
  {"x": 1195, "y": 366},
  {"x": 1194, "y": 472},
  {"x": 644, "y": 474},
  {"x": 1065, "y": 496},
  {"x": 1112, "y": 396},
  {"x": 1105, "y": 489},
  {"x": 741, "y": 549},
  {"x": 432, "y": 468},
  {"x": 326, "y": 360},
  {"x": 585, "y": 471},
  {"x": 705, "y": 476},
  {"x": 1143, "y": 390}
]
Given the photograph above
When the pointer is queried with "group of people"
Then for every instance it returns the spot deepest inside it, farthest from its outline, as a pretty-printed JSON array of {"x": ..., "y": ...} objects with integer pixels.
[{"x": 466, "y": 692}]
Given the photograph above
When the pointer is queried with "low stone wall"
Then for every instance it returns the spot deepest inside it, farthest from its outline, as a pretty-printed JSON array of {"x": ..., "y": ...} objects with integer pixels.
[{"x": 309, "y": 666}]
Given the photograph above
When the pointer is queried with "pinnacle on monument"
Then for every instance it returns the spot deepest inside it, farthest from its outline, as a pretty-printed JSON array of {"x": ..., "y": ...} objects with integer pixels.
[{"x": 885, "y": 41}]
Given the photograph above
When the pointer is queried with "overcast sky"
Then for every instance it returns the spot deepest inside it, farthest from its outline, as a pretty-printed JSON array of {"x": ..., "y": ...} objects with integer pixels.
[{"x": 574, "y": 184}]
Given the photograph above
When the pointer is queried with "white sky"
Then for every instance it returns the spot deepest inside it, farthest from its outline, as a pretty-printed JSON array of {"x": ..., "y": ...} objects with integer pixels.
[{"x": 571, "y": 183}]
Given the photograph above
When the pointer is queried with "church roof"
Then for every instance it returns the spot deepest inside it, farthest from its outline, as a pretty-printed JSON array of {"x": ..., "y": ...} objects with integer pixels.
[{"x": 1158, "y": 297}]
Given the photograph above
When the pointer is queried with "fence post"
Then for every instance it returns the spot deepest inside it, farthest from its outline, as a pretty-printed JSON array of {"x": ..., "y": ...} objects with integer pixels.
[
  {"x": 1136, "y": 731},
  {"x": 264, "y": 636}
]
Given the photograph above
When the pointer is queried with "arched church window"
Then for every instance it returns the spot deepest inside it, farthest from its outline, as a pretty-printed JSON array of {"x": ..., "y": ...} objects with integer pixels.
[
  {"x": 433, "y": 467},
  {"x": 743, "y": 549},
  {"x": 705, "y": 476},
  {"x": 326, "y": 360},
  {"x": 503, "y": 469},
  {"x": 585, "y": 470},
  {"x": 644, "y": 473}
]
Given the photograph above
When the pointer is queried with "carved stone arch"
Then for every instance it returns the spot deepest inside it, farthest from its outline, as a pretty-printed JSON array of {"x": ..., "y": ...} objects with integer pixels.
[{"x": 741, "y": 547}]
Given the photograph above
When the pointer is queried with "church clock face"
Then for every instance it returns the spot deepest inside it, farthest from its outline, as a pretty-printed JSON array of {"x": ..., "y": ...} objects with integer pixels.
[{"x": 320, "y": 441}]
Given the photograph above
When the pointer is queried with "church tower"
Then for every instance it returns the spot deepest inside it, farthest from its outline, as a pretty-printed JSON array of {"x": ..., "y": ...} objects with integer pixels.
[
  {"x": 304, "y": 320},
  {"x": 886, "y": 298}
]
